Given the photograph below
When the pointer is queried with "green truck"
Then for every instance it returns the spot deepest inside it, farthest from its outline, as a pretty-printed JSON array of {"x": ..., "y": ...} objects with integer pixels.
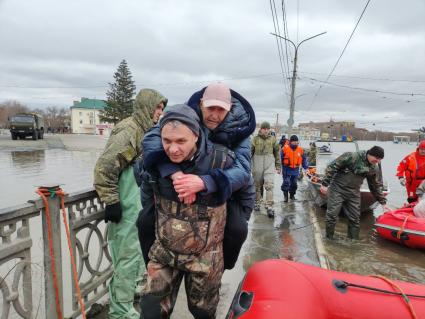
[{"x": 26, "y": 124}]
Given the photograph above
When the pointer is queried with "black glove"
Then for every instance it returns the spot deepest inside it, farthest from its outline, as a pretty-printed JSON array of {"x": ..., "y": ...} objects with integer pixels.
[{"x": 113, "y": 213}]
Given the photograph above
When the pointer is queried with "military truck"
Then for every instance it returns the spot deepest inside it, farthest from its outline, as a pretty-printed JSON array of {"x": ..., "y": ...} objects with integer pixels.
[{"x": 26, "y": 124}]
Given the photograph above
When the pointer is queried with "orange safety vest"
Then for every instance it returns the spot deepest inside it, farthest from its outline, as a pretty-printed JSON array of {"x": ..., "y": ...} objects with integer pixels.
[{"x": 292, "y": 158}]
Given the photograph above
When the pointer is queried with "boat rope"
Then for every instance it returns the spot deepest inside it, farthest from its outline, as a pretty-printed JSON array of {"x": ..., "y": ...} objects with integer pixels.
[
  {"x": 344, "y": 284},
  {"x": 52, "y": 192},
  {"x": 304, "y": 226},
  {"x": 397, "y": 287},
  {"x": 400, "y": 232}
]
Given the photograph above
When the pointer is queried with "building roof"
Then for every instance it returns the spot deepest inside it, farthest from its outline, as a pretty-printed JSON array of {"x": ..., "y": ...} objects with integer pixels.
[{"x": 89, "y": 104}]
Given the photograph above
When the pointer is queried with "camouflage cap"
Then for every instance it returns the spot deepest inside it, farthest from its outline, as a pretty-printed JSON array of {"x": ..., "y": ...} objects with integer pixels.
[{"x": 265, "y": 125}]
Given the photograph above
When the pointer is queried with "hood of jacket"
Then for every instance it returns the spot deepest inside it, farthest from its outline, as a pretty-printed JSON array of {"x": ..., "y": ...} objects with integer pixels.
[
  {"x": 237, "y": 125},
  {"x": 144, "y": 106}
]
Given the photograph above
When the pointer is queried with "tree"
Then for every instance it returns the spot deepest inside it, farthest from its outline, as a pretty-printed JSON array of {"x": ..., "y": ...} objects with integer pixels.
[
  {"x": 56, "y": 118},
  {"x": 120, "y": 96},
  {"x": 9, "y": 108}
]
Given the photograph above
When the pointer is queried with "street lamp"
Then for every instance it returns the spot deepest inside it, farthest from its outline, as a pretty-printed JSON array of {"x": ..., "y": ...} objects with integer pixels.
[{"x": 294, "y": 75}]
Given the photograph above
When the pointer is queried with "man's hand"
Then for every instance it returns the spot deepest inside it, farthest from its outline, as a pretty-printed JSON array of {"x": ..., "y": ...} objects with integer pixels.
[
  {"x": 188, "y": 199},
  {"x": 278, "y": 170},
  {"x": 188, "y": 184},
  {"x": 113, "y": 213},
  {"x": 176, "y": 175},
  {"x": 323, "y": 190},
  {"x": 385, "y": 208},
  {"x": 402, "y": 181}
]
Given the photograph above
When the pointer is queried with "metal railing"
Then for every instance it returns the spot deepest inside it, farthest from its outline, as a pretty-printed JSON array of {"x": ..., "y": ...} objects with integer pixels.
[{"x": 88, "y": 240}]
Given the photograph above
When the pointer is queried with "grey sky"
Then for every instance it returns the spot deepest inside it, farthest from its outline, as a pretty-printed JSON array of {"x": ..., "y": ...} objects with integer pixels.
[{"x": 54, "y": 52}]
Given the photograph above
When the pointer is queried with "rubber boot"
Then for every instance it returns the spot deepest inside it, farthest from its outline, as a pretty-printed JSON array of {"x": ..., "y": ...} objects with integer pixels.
[
  {"x": 270, "y": 212},
  {"x": 257, "y": 207},
  {"x": 353, "y": 232},
  {"x": 330, "y": 231},
  {"x": 285, "y": 194},
  {"x": 292, "y": 196}
]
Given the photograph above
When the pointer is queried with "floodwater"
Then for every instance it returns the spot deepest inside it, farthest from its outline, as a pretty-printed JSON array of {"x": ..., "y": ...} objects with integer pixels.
[
  {"x": 372, "y": 254},
  {"x": 23, "y": 170},
  {"x": 288, "y": 235}
]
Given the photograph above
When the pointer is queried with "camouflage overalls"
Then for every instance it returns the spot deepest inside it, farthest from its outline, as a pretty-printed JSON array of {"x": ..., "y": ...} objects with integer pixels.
[
  {"x": 189, "y": 244},
  {"x": 345, "y": 175},
  {"x": 265, "y": 161}
]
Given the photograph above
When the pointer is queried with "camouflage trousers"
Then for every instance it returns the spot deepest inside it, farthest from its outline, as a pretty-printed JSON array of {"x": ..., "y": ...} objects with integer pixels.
[
  {"x": 348, "y": 202},
  {"x": 202, "y": 278}
]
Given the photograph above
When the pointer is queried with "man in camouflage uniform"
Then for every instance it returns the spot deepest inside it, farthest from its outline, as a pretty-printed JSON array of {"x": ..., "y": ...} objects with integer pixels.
[
  {"x": 189, "y": 237},
  {"x": 116, "y": 186},
  {"x": 265, "y": 162},
  {"x": 342, "y": 181}
]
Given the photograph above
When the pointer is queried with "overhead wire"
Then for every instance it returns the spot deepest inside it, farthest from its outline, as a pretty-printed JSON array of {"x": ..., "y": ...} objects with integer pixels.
[
  {"x": 298, "y": 17},
  {"x": 365, "y": 89},
  {"x": 366, "y": 78},
  {"x": 342, "y": 53},
  {"x": 278, "y": 43},
  {"x": 285, "y": 33}
]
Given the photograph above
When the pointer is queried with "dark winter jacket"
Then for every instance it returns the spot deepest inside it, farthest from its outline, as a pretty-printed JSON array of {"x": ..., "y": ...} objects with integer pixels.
[{"x": 233, "y": 133}]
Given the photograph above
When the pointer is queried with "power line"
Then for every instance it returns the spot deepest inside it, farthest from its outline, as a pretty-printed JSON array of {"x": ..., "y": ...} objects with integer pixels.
[
  {"x": 278, "y": 42},
  {"x": 149, "y": 84},
  {"x": 346, "y": 45},
  {"x": 365, "y": 89},
  {"x": 367, "y": 78},
  {"x": 298, "y": 16},
  {"x": 285, "y": 32}
]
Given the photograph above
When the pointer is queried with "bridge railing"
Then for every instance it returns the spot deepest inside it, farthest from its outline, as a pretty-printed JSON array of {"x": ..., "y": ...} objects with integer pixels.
[{"x": 88, "y": 238}]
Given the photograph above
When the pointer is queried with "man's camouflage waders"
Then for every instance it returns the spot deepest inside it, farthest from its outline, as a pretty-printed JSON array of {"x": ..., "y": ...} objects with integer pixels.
[
  {"x": 345, "y": 176},
  {"x": 189, "y": 244}
]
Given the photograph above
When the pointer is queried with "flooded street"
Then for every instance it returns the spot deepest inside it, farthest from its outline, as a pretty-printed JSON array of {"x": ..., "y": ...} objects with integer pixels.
[
  {"x": 289, "y": 235},
  {"x": 372, "y": 254},
  {"x": 24, "y": 168}
]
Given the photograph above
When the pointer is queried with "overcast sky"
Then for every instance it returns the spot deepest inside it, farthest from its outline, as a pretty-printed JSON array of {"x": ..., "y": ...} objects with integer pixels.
[{"x": 54, "y": 52}]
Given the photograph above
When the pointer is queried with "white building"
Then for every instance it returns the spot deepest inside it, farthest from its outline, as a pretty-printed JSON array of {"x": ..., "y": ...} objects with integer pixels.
[{"x": 85, "y": 117}]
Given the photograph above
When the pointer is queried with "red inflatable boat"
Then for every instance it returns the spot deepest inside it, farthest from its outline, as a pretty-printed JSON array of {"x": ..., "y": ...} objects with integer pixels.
[
  {"x": 403, "y": 227},
  {"x": 281, "y": 289}
]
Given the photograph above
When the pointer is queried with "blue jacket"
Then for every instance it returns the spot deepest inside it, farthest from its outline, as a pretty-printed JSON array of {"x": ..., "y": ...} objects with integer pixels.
[{"x": 233, "y": 133}]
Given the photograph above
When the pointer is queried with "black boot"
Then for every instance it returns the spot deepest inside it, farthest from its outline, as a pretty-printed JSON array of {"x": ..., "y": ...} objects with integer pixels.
[
  {"x": 285, "y": 194},
  {"x": 292, "y": 196},
  {"x": 353, "y": 232},
  {"x": 270, "y": 212},
  {"x": 330, "y": 231}
]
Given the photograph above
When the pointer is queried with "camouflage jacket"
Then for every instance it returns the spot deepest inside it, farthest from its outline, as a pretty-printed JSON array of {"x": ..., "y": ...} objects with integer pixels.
[
  {"x": 357, "y": 164},
  {"x": 123, "y": 146},
  {"x": 266, "y": 145}
]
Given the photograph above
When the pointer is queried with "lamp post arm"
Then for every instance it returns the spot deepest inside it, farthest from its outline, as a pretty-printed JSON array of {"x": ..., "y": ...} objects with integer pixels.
[{"x": 311, "y": 38}]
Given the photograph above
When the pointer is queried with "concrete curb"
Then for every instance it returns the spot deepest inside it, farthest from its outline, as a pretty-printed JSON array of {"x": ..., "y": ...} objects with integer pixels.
[{"x": 320, "y": 248}]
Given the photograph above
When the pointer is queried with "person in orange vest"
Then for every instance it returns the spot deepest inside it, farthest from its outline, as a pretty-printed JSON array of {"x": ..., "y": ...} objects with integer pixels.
[
  {"x": 411, "y": 171},
  {"x": 292, "y": 158}
]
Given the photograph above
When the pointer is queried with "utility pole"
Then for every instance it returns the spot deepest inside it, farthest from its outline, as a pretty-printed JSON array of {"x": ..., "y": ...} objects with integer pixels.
[
  {"x": 294, "y": 76},
  {"x": 94, "y": 115},
  {"x": 277, "y": 122}
]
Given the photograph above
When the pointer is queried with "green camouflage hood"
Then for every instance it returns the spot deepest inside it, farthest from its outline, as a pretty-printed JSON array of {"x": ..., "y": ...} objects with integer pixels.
[{"x": 145, "y": 105}]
